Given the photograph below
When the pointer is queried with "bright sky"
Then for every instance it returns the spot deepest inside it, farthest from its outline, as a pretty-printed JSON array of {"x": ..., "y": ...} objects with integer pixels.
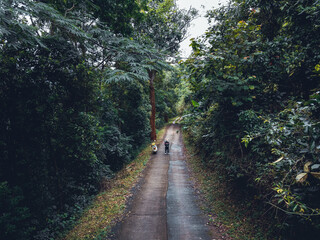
[{"x": 199, "y": 25}]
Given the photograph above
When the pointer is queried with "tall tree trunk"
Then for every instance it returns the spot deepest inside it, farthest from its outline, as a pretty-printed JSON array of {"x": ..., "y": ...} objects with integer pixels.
[{"x": 152, "y": 75}]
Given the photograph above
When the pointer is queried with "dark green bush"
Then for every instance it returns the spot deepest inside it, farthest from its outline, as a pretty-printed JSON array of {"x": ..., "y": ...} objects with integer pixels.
[{"x": 254, "y": 105}]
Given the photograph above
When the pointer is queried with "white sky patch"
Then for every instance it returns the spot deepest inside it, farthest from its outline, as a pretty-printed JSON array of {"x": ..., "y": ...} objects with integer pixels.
[{"x": 200, "y": 24}]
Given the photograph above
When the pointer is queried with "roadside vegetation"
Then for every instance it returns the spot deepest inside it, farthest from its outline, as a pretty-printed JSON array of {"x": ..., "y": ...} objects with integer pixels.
[
  {"x": 78, "y": 81},
  {"x": 251, "y": 110},
  {"x": 231, "y": 213}
]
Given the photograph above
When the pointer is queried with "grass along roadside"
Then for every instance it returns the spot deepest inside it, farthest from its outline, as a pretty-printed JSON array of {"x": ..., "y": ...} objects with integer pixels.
[
  {"x": 109, "y": 206},
  {"x": 233, "y": 219}
]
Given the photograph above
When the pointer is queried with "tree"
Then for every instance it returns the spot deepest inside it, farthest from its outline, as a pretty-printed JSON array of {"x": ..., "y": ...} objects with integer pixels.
[
  {"x": 118, "y": 15},
  {"x": 164, "y": 27},
  {"x": 255, "y": 99},
  {"x": 57, "y": 62},
  {"x": 69, "y": 84}
]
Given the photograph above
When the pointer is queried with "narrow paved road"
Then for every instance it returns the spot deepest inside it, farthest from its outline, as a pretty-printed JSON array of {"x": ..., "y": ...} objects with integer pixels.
[{"x": 165, "y": 207}]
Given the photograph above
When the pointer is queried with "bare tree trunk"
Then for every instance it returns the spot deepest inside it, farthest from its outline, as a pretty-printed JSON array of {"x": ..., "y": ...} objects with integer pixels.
[{"x": 152, "y": 75}]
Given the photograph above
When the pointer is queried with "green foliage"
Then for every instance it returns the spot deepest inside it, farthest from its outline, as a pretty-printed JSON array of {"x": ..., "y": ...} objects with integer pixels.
[
  {"x": 14, "y": 215},
  {"x": 118, "y": 15},
  {"x": 166, "y": 97},
  {"x": 294, "y": 135},
  {"x": 250, "y": 113},
  {"x": 164, "y": 25},
  {"x": 74, "y": 106},
  {"x": 125, "y": 115},
  {"x": 47, "y": 140}
]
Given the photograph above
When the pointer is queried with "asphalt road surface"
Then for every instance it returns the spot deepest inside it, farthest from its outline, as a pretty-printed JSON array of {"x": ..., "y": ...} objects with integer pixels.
[{"x": 165, "y": 206}]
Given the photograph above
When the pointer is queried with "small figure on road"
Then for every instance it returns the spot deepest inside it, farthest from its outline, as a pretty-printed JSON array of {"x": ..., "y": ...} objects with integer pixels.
[
  {"x": 166, "y": 146},
  {"x": 154, "y": 147}
]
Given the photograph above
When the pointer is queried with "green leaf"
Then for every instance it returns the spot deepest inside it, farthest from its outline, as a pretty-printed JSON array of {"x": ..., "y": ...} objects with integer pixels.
[{"x": 195, "y": 104}]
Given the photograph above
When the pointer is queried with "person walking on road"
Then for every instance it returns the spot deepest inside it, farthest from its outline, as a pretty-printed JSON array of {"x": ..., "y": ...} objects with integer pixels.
[{"x": 166, "y": 146}]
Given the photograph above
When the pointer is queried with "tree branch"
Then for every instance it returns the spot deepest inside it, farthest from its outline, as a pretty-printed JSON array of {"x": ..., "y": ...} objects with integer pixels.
[
  {"x": 69, "y": 10},
  {"x": 293, "y": 213}
]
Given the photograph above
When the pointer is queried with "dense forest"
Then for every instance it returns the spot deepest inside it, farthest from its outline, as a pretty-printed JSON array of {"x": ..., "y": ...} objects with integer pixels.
[
  {"x": 76, "y": 81},
  {"x": 253, "y": 107},
  {"x": 85, "y": 84}
]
